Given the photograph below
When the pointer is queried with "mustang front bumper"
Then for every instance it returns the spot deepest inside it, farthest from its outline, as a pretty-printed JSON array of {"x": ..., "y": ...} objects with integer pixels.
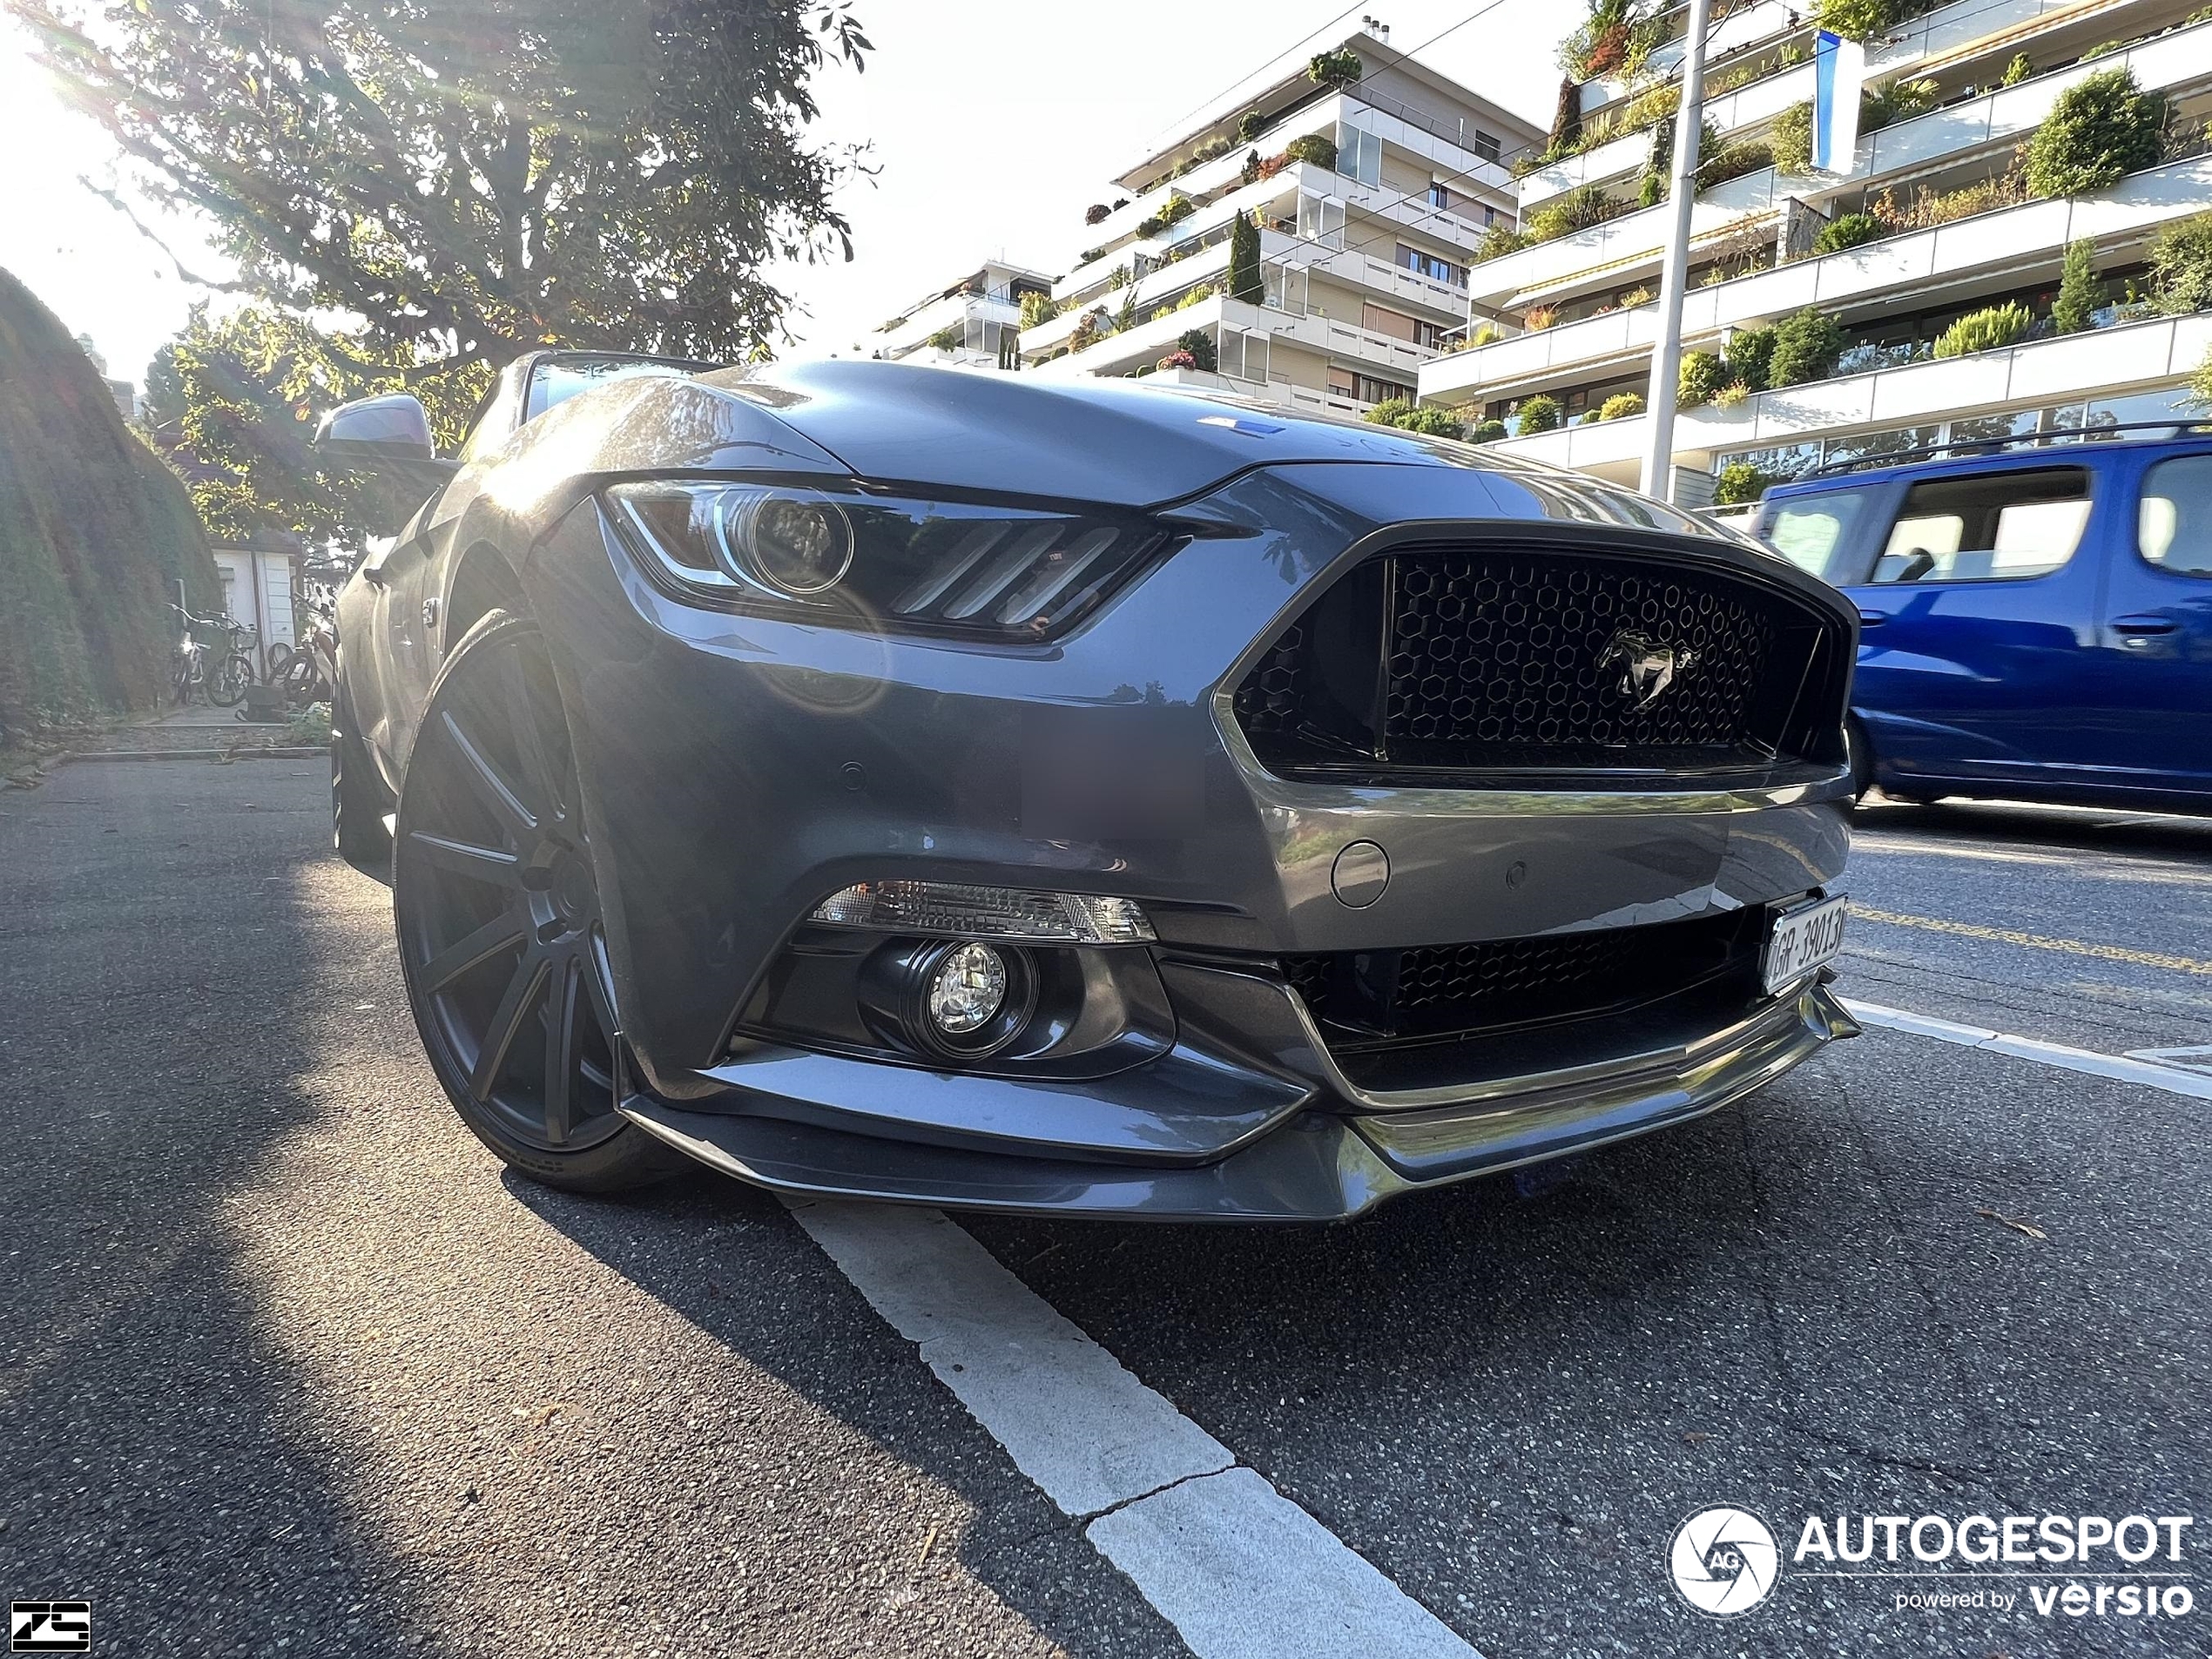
[{"x": 737, "y": 771}]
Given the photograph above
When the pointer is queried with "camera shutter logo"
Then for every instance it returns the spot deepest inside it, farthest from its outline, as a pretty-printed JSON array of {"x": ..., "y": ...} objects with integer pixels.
[
  {"x": 50, "y": 1627},
  {"x": 1724, "y": 1562}
]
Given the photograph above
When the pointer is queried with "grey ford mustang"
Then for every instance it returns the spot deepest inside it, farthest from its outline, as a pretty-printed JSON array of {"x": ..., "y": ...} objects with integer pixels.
[{"x": 1070, "y": 797}]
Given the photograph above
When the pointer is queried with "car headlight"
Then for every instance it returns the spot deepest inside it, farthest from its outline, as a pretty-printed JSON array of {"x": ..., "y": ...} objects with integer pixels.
[{"x": 856, "y": 560}]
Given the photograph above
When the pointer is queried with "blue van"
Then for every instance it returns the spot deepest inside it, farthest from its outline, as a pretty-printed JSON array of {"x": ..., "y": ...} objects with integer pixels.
[{"x": 2035, "y": 623}]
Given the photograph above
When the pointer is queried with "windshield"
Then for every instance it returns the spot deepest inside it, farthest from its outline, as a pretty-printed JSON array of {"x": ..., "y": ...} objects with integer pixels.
[{"x": 558, "y": 379}]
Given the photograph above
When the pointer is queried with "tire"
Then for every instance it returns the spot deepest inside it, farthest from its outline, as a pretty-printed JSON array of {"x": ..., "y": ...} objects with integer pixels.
[
  {"x": 1861, "y": 756},
  {"x": 495, "y": 904},
  {"x": 279, "y": 659},
  {"x": 303, "y": 684},
  {"x": 358, "y": 800},
  {"x": 227, "y": 680}
]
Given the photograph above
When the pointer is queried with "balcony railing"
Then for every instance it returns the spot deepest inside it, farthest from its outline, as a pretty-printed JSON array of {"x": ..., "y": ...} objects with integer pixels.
[
  {"x": 944, "y": 312},
  {"x": 1948, "y": 32},
  {"x": 2006, "y": 237},
  {"x": 2128, "y": 357},
  {"x": 1392, "y": 121},
  {"x": 1149, "y": 339},
  {"x": 1618, "y": 242}
]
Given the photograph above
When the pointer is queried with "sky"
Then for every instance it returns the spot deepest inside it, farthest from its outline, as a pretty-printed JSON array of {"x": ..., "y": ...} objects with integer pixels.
[{"x": 991, "y": 128}]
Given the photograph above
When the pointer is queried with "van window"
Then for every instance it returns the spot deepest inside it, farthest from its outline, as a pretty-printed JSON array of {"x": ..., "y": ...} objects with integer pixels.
[
  {"x": 2174, "y": 524},
  {"x": 1987, "y": 527},
  {"x": 1810, "y": 530}
]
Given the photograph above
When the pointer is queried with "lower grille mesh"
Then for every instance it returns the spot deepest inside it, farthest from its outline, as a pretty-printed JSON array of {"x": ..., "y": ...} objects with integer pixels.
[{"x": 1376, "y": 998}]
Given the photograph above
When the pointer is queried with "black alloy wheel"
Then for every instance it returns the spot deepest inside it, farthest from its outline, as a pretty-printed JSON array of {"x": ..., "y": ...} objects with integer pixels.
[{"x": 500, "y": 935}]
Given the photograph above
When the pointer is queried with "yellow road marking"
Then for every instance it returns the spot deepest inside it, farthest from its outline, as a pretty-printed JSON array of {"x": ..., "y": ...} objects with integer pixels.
[{"x": 2039, "y": 941}]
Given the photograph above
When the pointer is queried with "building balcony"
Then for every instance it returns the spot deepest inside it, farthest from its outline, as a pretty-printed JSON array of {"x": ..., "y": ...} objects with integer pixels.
[
  {"x": 1620, "y": 244},
  {"x": 2104, "y": 362},
  {"x": 1215, "y": 215},
  {"x": 2178, "y": 61},
  {"x": 1946, "y": 36},
  {"x": 1138, "y": 347},
  {"x": 1395, "y": 124},
  {"x": 1152, "y": 290},
  {"x": 1145, "y": 343},
  {"x": 2175, "y": 63},
  {"x": 2008, "y": 241},
  {"x": 1393, "y": 283},
  {"x": 946, "y": 311}
]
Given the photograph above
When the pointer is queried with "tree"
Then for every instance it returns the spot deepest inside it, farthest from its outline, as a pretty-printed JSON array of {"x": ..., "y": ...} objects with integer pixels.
[
  {"x": 1246, "y": 282},
  {"x": 473, "y": 181},
  {"x": 1740, "y": 483},
  {"x": 1340, "y": 67},
  {"x": 1538, "y": 413},
  {"x": 2180, "y": 266},
  {"x": 2099, "y": 130},
  {"x": 1863, "y": 20},
  {"x": 2079, "y": 292},
  {"x": 1750, "y": 357},
  {"x": 1701, "y": 377},
  {"x": 1806, "y": 346},
  {"x": 232, "y": 403}
]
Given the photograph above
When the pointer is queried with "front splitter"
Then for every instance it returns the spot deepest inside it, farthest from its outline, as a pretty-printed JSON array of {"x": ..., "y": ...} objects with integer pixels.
[{"x": 1319, "y": 1166}]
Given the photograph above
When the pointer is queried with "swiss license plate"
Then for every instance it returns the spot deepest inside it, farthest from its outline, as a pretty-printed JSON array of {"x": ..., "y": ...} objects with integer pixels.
[{"x": 1805, "y": 938}]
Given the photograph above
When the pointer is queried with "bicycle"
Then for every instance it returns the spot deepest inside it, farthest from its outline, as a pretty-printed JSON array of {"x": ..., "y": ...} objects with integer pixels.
[
  {"x": 222, "y": 679},
  {"x": 311, "y": 668}
]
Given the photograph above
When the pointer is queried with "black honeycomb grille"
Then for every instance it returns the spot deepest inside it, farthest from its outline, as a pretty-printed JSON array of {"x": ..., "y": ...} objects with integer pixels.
[
  {"x": 1417, "y": 994},
  {"x": 1457, "y": 657},
  {"x": 1494, "y": 650},
  {"x": 1268, "y": 702}
]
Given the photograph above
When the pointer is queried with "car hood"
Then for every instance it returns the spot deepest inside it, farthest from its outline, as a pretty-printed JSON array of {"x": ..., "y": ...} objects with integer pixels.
[{"x": 1115, "y": 441}]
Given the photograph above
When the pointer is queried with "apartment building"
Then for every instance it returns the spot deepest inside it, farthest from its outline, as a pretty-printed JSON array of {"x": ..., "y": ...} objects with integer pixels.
[
  {"x": 970, "y": 323},
  {"x": 1371, "y": 187},
  {"x": 1940, "y": 219}
]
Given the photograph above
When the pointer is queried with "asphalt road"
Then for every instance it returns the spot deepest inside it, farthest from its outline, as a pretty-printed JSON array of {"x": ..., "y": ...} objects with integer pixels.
[{"x": 289, "y": 1367}]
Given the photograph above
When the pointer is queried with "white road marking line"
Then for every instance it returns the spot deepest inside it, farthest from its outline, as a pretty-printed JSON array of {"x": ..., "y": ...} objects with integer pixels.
[
  {"x": 2049, "y": 1053},
  {"x": 1074, "y": 1421},
  {"x": 1239, "y": 1570}
]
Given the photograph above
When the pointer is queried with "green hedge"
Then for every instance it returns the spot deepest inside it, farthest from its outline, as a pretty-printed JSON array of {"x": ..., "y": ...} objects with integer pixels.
[{"x": 95, "y": 533}]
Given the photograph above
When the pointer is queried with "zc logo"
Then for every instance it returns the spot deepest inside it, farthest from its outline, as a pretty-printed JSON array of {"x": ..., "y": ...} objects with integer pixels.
[{"x": 50, "y": 1627}]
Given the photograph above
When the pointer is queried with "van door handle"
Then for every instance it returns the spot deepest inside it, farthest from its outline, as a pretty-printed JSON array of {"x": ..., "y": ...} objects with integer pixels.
[
  {"x": 1872, "y": 618},
  {"x": 2137, "y": 631}
]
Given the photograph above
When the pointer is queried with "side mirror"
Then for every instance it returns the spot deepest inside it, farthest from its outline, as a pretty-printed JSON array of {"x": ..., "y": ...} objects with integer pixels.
[
  {"x": 386, "y": 439},
  {"x": 370, "y": 429}
]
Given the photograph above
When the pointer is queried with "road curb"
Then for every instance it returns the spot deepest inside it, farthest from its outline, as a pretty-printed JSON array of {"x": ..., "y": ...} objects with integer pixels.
[{"x": 293, "y": 753}]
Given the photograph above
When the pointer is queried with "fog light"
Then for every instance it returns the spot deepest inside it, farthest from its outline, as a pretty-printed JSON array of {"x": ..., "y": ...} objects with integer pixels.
[{"x": 967, "y": 990}]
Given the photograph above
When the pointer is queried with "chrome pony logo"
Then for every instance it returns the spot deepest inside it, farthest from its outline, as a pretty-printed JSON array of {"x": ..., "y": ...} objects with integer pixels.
[{"x": 1646, "y": 668}]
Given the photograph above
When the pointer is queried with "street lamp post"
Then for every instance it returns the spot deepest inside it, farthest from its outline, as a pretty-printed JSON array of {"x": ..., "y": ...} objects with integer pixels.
[{"x": 1666, "y": 358}]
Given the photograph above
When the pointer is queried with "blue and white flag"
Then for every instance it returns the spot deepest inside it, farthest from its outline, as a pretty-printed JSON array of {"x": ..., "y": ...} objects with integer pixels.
[{"x": 1839, "y": 76}]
